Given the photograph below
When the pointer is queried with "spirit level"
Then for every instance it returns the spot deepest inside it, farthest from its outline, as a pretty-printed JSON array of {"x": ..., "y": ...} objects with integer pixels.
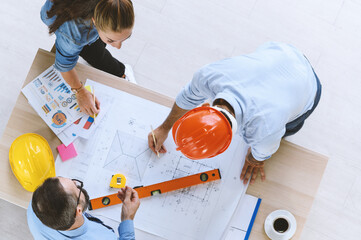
[{"x": 159, "y": 188}]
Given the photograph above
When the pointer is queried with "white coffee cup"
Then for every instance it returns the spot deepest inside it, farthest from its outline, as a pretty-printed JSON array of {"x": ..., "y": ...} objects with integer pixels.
[{"x": 280, "y": 225}]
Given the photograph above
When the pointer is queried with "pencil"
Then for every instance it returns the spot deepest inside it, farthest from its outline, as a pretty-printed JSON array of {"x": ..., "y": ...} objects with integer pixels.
[
  {"x": 94, "y": 102},
  {"x": 154, "y": 140}
]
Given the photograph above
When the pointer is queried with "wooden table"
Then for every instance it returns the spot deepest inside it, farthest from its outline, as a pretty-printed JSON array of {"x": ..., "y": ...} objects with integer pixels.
[{"x": 293, "y": 174}]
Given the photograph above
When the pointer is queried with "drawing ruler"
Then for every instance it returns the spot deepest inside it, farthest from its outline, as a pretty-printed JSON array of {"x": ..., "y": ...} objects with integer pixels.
[{"x": 159, "y": 188}]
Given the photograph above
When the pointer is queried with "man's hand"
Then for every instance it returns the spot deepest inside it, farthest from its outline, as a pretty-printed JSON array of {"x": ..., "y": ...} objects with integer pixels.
[
  {"x": 130, "y": 201},
  {"x": 160, "y": 135},
  {"x": 252, "y": 167},
  {"x": 86, "y": 102}
]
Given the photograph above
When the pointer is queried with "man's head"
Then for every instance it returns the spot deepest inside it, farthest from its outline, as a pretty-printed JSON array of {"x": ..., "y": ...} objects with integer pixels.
[
  {"x": 205, "y": 132},
  {"x": 59, "y": 202}
]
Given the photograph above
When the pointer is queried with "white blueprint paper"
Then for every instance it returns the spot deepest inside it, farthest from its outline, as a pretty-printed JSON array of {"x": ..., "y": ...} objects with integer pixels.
[{"x": 119, "y": 145}]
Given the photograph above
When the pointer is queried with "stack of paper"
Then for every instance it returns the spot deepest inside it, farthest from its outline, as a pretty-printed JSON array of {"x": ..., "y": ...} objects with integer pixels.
[
  {"x": 242, "y": 221},
  {"x": 52, "y": 98},
  {"x": 85, "y": 126}
]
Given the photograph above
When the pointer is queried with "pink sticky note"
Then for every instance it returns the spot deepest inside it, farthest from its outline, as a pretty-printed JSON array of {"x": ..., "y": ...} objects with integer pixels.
[{"x": 67, "y": 152}]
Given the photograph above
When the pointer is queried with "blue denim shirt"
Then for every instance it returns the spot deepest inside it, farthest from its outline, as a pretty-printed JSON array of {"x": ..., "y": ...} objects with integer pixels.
[
  {"x": 88, "y": 231},
  {"x": 267, "y": 89},
  {"x": 71, "y": 37}
]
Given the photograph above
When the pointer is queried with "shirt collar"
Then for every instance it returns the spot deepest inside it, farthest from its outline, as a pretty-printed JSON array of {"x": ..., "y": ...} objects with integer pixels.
[
  {"x": 235, "y": 105},
  {"x": 79, "y": 231}
]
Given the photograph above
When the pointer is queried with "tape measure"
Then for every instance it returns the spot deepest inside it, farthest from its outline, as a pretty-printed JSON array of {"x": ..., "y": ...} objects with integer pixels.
[
  {"x": 159, "y": 188},
  {"x": 118, "y": 181}
]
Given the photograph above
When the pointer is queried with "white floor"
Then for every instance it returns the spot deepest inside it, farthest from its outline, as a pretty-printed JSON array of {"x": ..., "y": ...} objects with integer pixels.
[{"x": 172, "y": 39}]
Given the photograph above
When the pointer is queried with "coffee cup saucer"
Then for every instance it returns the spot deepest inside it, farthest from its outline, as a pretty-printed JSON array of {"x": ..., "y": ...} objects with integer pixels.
[{"x": 272, "y": 233}]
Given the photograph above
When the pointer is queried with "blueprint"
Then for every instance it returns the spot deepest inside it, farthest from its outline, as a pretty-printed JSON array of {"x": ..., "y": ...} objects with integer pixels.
[
  {"x": 128, "y": 154},
  {"x": 119, "y": 145}
]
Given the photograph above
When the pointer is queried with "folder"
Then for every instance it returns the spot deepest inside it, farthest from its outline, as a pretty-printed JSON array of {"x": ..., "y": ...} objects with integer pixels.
[{"x": 242, "y": 220}]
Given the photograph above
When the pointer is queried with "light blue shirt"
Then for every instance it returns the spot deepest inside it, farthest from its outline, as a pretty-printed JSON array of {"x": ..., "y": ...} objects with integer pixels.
[
  {"x": 267, "y": 89},
  {"x": 88, "y": 231},
  {"x": 71, "y": 37}
]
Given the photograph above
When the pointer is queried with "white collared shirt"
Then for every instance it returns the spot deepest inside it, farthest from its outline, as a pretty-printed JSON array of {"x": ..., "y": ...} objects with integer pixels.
[{"x": 267, "y": 89}]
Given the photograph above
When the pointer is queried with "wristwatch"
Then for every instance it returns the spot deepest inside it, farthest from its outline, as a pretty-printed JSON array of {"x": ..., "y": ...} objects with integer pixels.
[{"x": 76, "y": 90}]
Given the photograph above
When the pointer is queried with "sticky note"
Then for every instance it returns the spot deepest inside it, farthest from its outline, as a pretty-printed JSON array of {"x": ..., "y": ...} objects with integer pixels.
[{"x": 67, "y": 152}]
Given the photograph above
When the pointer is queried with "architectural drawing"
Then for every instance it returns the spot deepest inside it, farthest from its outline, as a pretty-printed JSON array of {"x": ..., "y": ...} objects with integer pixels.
[
  {"x": 120, "y": 145},
  {"x": 80, "y": 166},
  {"x": 129, "y": 155},
  {"x": 193, "y": 200}
]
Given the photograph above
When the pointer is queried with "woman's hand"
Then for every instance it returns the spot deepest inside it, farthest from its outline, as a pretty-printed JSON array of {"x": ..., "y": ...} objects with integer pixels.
[{"x": 86, "y": 102}]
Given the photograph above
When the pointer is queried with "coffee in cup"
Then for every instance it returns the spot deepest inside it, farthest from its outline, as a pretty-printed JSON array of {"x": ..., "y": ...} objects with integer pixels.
[{"x": 280, "y": 225}]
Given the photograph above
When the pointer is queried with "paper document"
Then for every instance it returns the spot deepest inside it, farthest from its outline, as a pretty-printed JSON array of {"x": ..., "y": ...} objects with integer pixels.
[
  {"x": 120, "y": 145},
  {"x": 242, "y": 221},
  {"x": 85, "y": 126},
  {"x": 52, "y": 99}
]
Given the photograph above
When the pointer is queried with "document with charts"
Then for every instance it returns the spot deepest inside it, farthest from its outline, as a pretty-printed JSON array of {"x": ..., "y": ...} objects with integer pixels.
[
  {"x": 85, "y": 126},
  {"x": 52, "y": 98},
  {"x": 120, "y": 145}
]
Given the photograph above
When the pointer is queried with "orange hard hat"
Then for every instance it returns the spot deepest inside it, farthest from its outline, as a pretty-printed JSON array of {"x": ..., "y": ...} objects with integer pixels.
[{"x": 202, "y": 132}]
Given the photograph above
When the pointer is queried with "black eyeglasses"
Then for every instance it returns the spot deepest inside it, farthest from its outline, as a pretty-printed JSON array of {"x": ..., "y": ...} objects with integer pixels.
[{"x": 79, "y": 184}]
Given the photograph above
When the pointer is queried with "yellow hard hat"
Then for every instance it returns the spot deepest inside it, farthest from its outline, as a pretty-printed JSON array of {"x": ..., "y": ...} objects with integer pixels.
[{"x": 31, "y": 160}]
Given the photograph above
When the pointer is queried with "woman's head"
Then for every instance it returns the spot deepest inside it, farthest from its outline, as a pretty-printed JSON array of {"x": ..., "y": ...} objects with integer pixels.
[
  {"x": 114, "y": 15},
  {"x": 114, "y": 20},
  {"x": 111, "y": 17}
]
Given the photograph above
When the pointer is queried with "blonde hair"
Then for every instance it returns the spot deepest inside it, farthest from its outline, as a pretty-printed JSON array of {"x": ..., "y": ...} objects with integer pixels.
[{"x": 114, "y": 15}]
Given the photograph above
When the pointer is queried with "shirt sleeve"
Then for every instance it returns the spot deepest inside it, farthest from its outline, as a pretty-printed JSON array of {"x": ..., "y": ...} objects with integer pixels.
[
  {"x": 194, "y": 93},
  {"x": 67, "y": 52},
  {"x": 126, "y": 230},
  {"x": 264, "y": 149}
]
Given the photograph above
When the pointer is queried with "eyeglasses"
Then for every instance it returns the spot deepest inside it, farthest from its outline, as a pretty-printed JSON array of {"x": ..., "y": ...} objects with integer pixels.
[{"x": 79, "y": 184}]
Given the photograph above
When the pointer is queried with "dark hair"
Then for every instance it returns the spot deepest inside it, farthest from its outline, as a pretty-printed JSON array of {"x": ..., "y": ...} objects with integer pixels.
[
  {"x": 220, "y": 101},
  {"x": 66, "y": 10},
  {"x": 114, "y": 15},
  {"x": 53, "y": 206}
]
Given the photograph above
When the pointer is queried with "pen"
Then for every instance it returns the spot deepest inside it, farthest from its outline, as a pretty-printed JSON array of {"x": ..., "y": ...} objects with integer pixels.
[
  {"x": 155, "y": 142},
  {"x": 94, "y": 102}
]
